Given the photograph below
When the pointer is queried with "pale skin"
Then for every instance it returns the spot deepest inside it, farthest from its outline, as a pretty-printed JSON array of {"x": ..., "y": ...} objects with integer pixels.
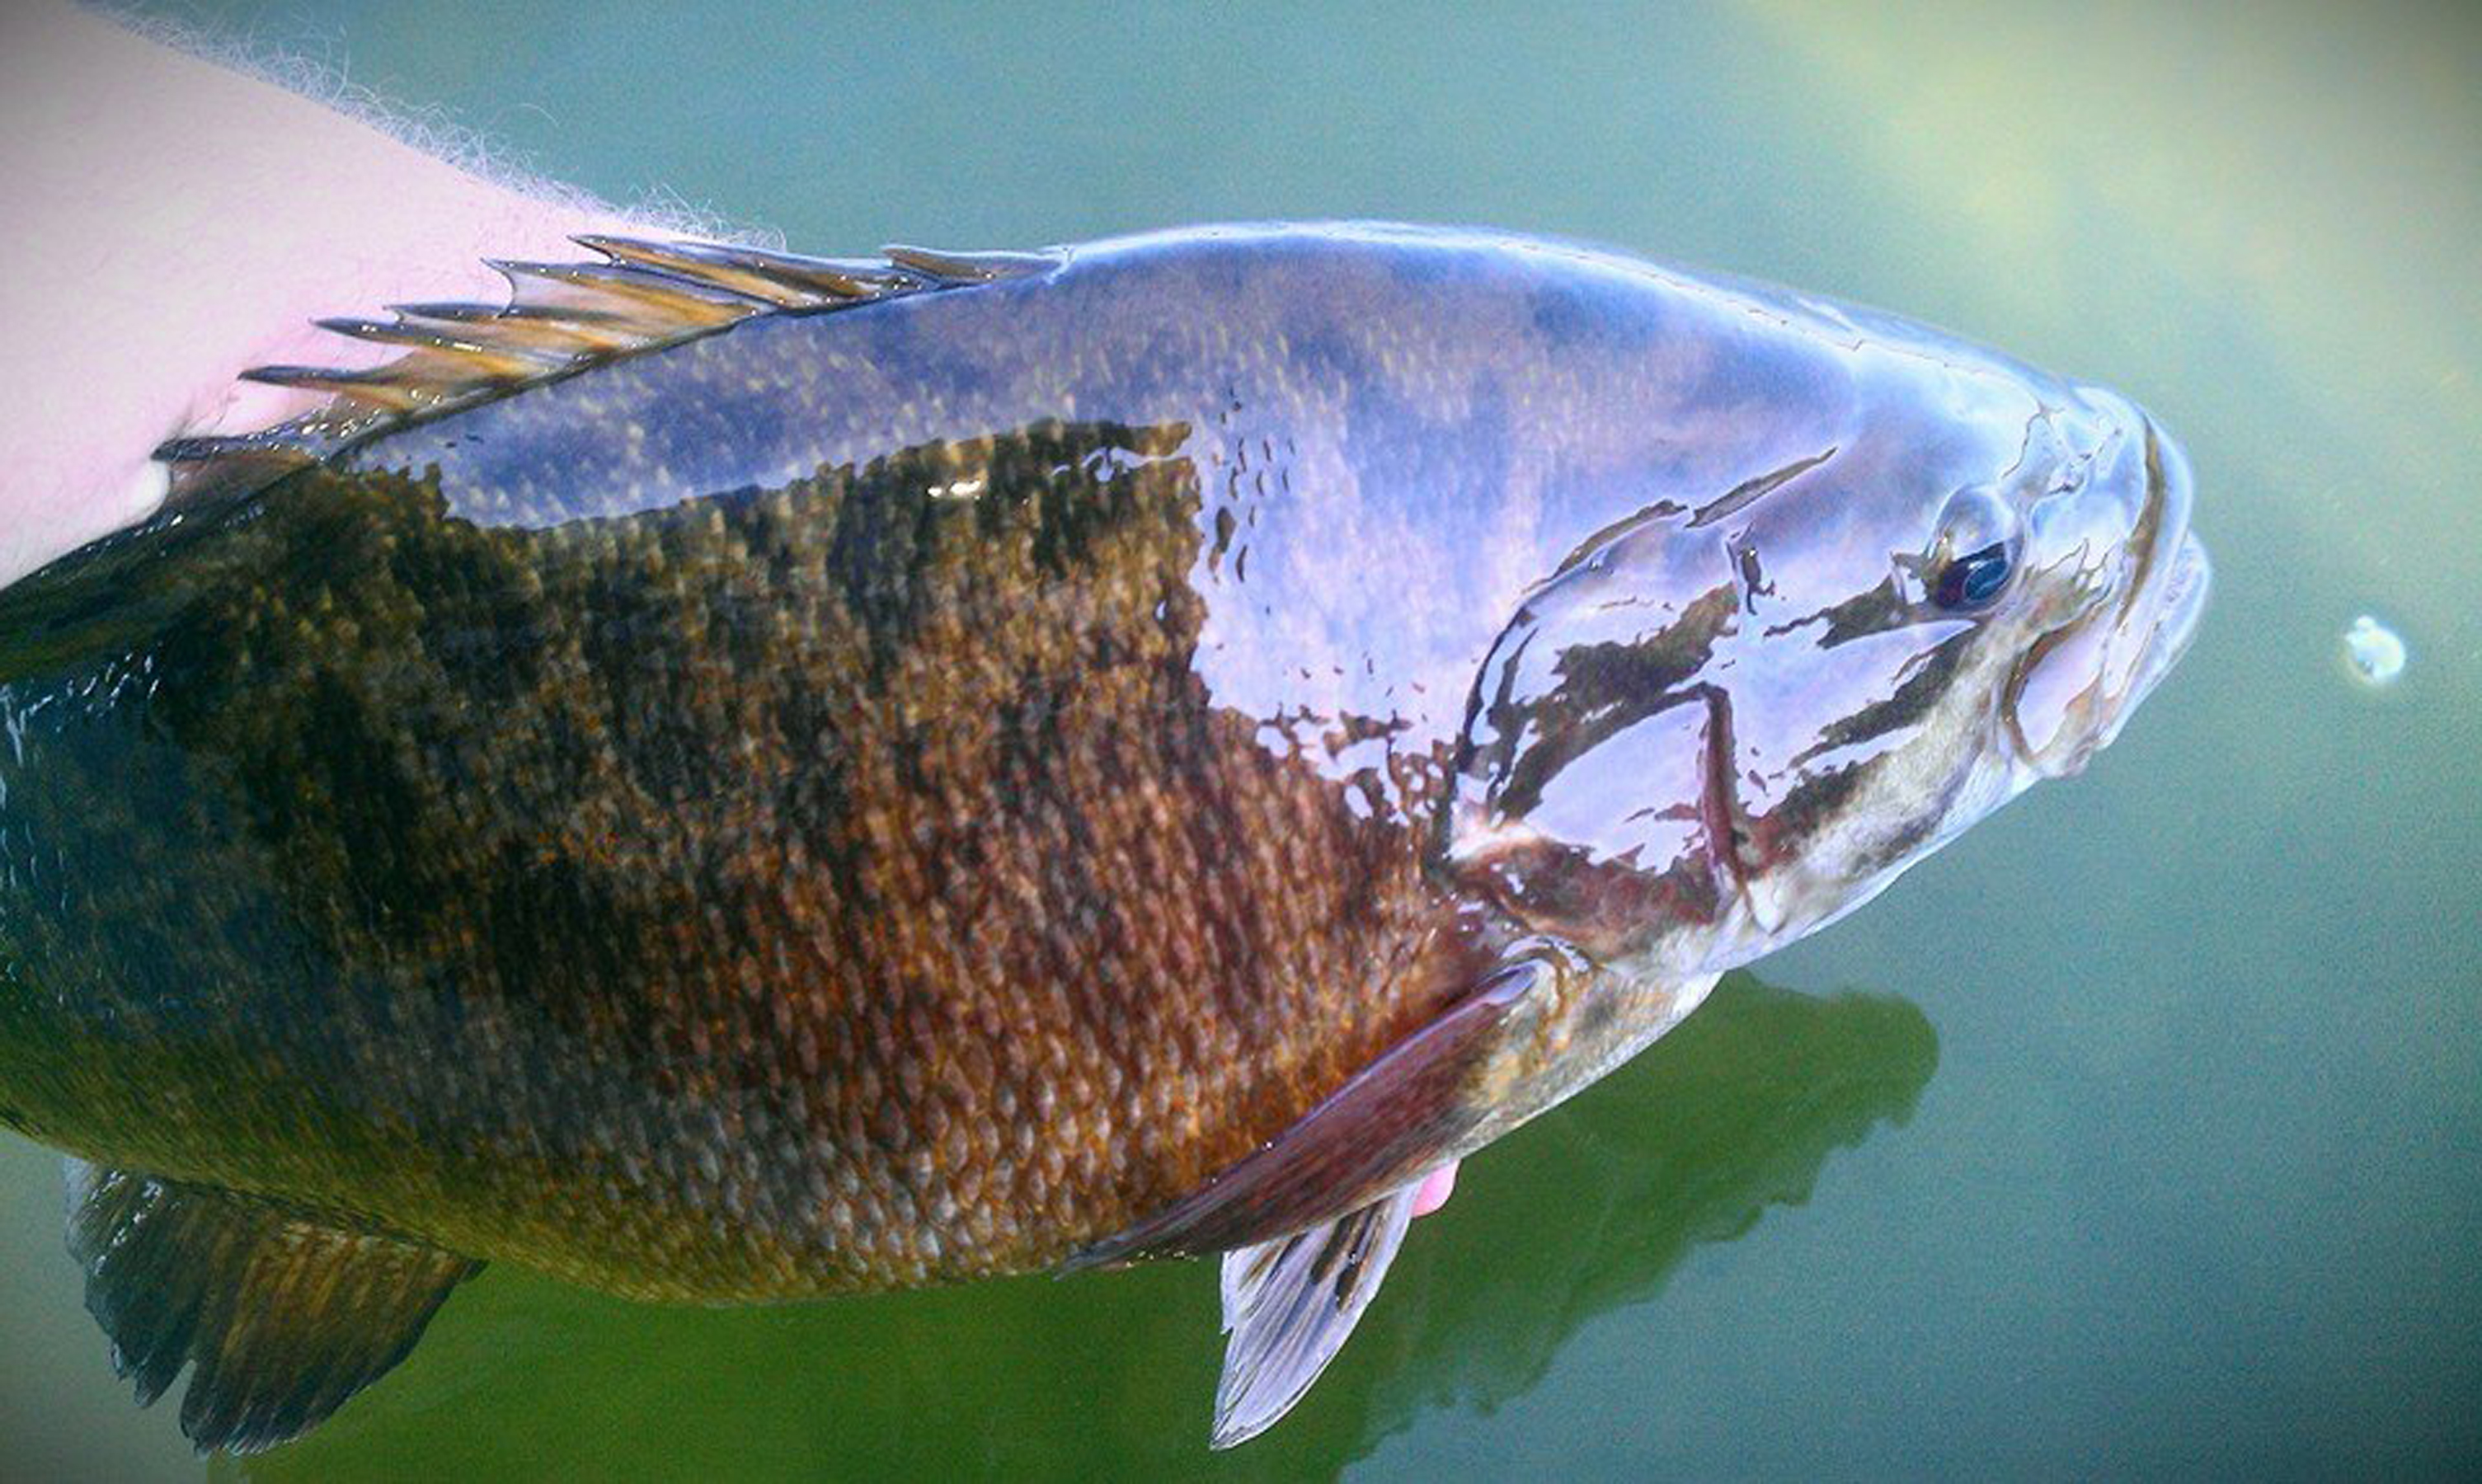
[{"x": 174, "y": 223}]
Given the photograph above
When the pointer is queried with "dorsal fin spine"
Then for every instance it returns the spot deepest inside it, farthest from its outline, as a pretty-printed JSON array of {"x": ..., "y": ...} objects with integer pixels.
[
  {"x": 562, "y": 318},
  {"x": 373, "y": 386},
  {"x": 967, "y": 267},
  {"x": 418, "y": 336},
  {"x": 511, "y": 325}
]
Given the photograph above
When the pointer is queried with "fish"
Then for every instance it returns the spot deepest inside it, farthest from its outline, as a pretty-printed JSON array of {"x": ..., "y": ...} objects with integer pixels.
[{"x": 734, "y": 777}]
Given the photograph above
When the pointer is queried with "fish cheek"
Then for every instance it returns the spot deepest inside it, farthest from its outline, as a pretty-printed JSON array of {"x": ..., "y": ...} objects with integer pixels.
[
  {"x": 1590, "y": 798},
  {"x": 2053, "y": 692}
]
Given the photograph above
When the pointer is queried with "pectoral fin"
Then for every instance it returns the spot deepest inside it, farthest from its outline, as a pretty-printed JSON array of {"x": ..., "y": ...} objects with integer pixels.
[
  {"x": 283, "y": 1317},
  {"x": 1289, "y": 1304},
  {"x": 1395, "y": 1119}
]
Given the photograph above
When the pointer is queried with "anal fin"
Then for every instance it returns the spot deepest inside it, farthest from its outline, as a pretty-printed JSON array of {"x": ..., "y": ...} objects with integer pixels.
[
  {"x": 1289, "y": 1304},
  {"x": 279, "y": 1316}
]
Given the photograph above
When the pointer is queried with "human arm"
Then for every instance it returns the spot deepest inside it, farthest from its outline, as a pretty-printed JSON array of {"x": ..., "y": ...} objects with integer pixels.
[{"x": 173, "y": 222}]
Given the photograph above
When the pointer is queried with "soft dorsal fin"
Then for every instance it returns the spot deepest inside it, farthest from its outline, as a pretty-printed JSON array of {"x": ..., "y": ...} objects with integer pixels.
[
  {"x": 1290, "y": 1304},
  {"x": 280, "y": 1317},
  {"x": 559, "y": 319}
]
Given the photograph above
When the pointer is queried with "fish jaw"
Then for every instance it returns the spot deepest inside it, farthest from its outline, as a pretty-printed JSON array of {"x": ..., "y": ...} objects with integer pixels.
[
  {"x": 2075, "y": 690},
  {"x": 2183, "y": 598}
]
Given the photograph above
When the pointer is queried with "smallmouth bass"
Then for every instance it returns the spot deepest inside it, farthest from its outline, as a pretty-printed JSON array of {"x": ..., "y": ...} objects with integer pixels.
[{"x": 737, "y": 776}]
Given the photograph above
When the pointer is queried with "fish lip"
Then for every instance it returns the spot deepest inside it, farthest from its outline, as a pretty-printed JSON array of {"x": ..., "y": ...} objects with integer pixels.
[
  {"x": 2173, "y": 580},
  {"x": 2148, "y": 627},
  {"x": 2184, "y": 602},
  {"x": 2176, "y": 600}
]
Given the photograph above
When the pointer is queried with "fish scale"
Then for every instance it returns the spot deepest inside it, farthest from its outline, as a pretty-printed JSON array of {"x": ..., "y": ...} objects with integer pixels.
[{"x": 740, "y": 778}]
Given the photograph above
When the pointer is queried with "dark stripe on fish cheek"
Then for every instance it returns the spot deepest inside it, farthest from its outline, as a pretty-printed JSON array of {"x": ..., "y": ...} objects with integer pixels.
[
  {"x": 1816, "y": 801},
  {"x": 1919, "y": 694},
  {"x": 1720, "y": 809},
  {"x": 1749, "y": 491},
  {"x": 2146, "y": 536},
  {"x": 1746, "y": 569},
  {"x": 1784, "y": 832},
  {"x": 1603, "y": 688}
]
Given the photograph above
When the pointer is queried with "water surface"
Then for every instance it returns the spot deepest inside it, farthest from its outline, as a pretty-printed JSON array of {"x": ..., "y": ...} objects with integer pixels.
[{"x": 2153, "y": 1147}]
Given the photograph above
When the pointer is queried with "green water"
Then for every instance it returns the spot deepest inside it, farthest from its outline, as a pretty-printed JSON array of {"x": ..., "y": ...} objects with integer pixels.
[{"x": 2152, "y": 1141}]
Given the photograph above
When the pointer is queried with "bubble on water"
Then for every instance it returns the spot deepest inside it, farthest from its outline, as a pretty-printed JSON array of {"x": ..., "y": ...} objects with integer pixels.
[{"x": 2373, "y": 651}]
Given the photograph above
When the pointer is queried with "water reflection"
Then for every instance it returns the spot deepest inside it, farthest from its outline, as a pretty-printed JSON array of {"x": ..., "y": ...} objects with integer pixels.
[{"x": 1586, "y": 1211}]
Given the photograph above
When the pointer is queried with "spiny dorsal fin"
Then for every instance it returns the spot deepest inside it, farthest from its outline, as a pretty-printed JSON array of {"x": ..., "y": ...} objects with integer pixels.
[
  {"x": 781, "y": 279},
  {"x": 280, "y": 1317},
  {"x": 966, "y": 267},
  {"x": 1290, "y": 1304},
  {"x": 516, "y": 327},
  {"x": 658, "y": 308},
  {"x": 561, "y": 318}
]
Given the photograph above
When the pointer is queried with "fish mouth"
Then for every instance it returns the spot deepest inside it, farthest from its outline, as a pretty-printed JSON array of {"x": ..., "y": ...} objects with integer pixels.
[
  {"x": 2112, "y": 667},
  {"x": 2075, "y": 688},
  {"x": 2177, "y": 611}
]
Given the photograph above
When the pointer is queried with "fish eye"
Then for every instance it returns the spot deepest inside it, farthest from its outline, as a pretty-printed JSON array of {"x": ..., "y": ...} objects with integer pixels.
[
  {"x": 1970, "y": 580},
  {"x": 1976, "y": 552}
]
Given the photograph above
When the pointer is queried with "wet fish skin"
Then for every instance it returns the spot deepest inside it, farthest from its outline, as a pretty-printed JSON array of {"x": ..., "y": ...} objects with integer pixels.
[
  {"x": 466, "y": 925},
  {"x": 913, "y": 791}
]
